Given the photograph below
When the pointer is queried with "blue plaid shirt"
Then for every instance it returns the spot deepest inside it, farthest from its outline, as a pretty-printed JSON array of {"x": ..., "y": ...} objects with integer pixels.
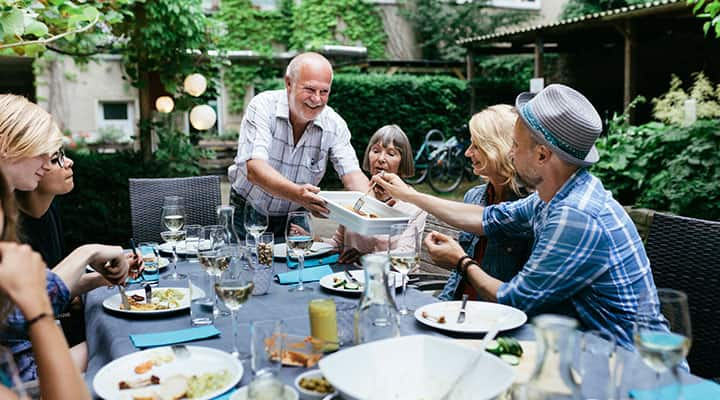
[
  {"x": 14, "y": 336},
  {"x": 587, "y": 255}
]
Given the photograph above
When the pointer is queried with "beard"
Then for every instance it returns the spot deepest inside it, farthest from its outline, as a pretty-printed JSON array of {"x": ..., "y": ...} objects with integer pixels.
[{"x": 529, "y": 180}]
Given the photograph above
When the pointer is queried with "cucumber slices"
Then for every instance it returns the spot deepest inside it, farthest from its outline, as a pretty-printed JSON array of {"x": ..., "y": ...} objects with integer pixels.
[{"x": 507, "y": 348}]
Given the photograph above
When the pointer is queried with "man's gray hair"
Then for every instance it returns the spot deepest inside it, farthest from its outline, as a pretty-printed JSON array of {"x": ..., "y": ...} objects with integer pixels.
[{"x": 293, "y": 69}]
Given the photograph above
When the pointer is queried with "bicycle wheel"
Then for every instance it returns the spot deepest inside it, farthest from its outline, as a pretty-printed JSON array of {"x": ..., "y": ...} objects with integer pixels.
[
  {"x": 445, "y": 172},
  {"x": 421, "y": 170}
]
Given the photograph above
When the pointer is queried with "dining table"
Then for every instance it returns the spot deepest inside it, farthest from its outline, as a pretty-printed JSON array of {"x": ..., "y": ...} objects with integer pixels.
[{"x": 108, "y": 333}]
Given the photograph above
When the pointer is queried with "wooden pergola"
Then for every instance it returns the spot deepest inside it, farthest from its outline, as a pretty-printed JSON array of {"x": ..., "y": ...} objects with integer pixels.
[{"x": 656, "y": 35}]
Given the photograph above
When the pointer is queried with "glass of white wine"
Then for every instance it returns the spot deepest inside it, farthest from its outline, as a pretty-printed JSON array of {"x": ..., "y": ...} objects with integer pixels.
[
  {"x": 404, "y": 253},
  {"x": 663, "y": 333},
  {"x": 234, "y": 288},
  {"x": 255, "y": 222},
  {"x": 173, "y": 217},
  {"x": 172, "y": 238},
  {"x": 173, "y": 201},
  {"x": 299, "y": 240}
]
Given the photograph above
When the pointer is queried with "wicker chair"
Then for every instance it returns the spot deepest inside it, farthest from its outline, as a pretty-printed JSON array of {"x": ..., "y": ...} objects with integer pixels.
[
  {"x": 201, "y": 193},
  {"x": 685, "y": 254}
]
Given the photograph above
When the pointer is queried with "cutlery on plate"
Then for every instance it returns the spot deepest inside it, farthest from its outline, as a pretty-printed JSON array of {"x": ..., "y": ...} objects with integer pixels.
[
  {"x": 123, "y": 296},
  {"x": 148, "y": 293},
  {"x": 461, "y": 316},
  {"x": 181, "y": 351},
  {"x": 350, "y": 276}
]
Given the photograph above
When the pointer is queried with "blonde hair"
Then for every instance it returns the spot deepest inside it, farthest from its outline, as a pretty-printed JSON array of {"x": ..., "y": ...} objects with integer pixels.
[
  {"x": 491, "y": 133},
  {"x": 392, "y": 134},
  {"x": 26, "y": 130}
]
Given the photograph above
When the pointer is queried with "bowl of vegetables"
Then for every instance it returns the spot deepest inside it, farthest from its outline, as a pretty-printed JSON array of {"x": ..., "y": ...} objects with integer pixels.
[{"x": 312, "y": 385}]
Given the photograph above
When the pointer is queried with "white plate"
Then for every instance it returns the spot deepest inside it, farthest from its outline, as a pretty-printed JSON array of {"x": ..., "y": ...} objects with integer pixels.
[
  {"x": 480, "y": 316},
  {"x": 414, "y": 367},
  {"x": 318, "y": 248},
  {"x": 201, "y": 360},
  {"x": 114, "y": 302},
  {"x": 164, "y": 262},
  {"x": 340, "y": 205},
  {"x": 241, "y": 394},
  {"x": 327, "y": 281},
  {"x": 183, "y": 250}
]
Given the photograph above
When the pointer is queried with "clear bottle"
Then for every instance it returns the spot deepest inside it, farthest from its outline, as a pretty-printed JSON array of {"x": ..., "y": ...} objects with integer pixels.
[
  {"x": 226, "y": 218},
  {"x": 556, "y": 338},
  {"x": 377, "y": 316}
]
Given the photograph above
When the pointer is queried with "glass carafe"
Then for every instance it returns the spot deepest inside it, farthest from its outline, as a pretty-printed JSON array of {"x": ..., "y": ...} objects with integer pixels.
[
  {"x": 225, "y": 218},
  {"x": 556, "y": 339},
  {"x": 377, "y": 316}
]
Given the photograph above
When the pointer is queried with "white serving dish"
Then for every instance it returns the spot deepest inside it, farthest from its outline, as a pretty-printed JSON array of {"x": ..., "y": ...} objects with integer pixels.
[
  {"x": 341, "y": 203},
  {"x": 307, "y": 394},
  {"x": 414, "y": 367}
]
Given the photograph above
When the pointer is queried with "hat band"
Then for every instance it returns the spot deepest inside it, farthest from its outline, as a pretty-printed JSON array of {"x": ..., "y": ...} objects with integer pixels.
[{"x": 534, "y": 123}]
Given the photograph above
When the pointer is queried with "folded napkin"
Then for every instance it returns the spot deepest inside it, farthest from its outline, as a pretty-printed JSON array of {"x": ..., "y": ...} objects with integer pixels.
[
  {"x": 171, "y": 337},
  {"x": 226, "y": 395},
  {"x": 309, "y": 275},
  {"x": 697, "y": 391},
  {"x": 314, "y": 262}
]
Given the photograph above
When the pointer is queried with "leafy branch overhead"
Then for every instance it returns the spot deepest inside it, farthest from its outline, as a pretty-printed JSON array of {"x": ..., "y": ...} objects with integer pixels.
[{"x": 708, "y": 9}]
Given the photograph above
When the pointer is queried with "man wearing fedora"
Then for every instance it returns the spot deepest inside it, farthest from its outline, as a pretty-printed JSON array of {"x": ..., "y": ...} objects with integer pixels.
[{"x": 588, "y": 260}]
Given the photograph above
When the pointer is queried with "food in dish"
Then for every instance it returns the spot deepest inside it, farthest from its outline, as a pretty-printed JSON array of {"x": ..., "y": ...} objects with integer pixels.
[
  {"x": 345, "y": 284},
  {"x": 177, "y": 386},
  {"x": 361, "y": 212},
  {"x": 299, "y": 351},
  {"x": 507, "y": 348},
  {"x": 162, "y": 299},
  {"x": 440, "y": 319},
  {"x": 318, "y": 384}
]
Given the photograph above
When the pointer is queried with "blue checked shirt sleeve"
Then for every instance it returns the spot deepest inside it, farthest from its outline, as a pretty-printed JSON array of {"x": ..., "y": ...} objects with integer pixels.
[
  {"x": 59, "y": 295},
  {"x": 571, "y": 251},
  {"x": 514, "y": 218}
]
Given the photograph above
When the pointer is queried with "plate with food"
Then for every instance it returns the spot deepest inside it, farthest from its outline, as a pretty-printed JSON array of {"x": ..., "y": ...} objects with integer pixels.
[
  {"x": 164, "y": 300},
  {"x": 184, "y": 249},
  {"x": 317, "y": 249},
  {"x": 339, "y": 282},
  {"x": 480, "y": 316},
  {"x": 188, "y": 372},
  {"x": 375, "y": 217}
]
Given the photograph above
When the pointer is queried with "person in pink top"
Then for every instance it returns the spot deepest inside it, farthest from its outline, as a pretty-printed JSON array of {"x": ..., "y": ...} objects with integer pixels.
[{"x": 389, "y": 150}]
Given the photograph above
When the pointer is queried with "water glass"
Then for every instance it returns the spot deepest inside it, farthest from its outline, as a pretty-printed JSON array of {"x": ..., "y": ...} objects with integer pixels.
[
  {"x": 151, "y": 262},
  {"x": 267, "y": 344},
  {"x": 192, "y": 240},
  {"x": 201, "y": 298},
  {"x": 345, "y": 313},
  {"x": 266, "y": 386},
  {"x": 9, "y": 375},
  {"x": 299, "y": 240},
  {"x": 593, "y": 364},
  {"x": 404, "y": 244},
  {"x": 262, "y": 278}
]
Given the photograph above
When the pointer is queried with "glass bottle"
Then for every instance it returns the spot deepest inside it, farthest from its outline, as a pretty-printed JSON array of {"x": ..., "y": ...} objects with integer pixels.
[
  {"x": 377, "y": 316},
  {"x": 556, "y": 338},
  {"x": 225, "y": 218}
]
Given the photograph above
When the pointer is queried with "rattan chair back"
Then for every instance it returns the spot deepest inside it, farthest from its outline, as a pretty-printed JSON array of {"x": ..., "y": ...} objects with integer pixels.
[
  {"x": 684, "y": 254},
  {"x": 201, "y": 197}
]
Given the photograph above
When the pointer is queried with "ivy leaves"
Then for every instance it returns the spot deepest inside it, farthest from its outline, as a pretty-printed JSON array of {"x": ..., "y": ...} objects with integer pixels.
[{"x": 709, "y": 9}]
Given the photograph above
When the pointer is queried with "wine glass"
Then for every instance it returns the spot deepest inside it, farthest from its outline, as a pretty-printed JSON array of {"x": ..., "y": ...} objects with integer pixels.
[
  {"x": 299, "y": 240},
  {"x": 404, "y": 253},
  {"x": 173, "y": 201},
  {"x": 662, "y": 332},
  {"x": 233, "y": 288},
  {"x": 172, "y": 238},
  {"x": 173, "y": 217},
  {"x": 255, "y": 222}
]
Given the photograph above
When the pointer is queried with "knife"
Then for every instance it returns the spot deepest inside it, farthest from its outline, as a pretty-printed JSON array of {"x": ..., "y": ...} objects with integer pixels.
[
  {"x": 461, "y": 316},
  {"x": 148, "y": 294},
  {"x": 123, "y": 296}
]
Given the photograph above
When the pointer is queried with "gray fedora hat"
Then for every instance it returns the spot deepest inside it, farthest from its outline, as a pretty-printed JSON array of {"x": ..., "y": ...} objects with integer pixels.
[{"x": 564, "y": 120}]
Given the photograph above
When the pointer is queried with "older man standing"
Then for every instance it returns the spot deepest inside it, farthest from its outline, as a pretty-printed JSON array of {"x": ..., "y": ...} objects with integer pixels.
[
  {"x": 587, "y": 259},
  {"x": 286, "y": 139}
]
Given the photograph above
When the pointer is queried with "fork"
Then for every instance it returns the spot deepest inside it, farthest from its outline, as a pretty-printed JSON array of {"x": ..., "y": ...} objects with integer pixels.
[
  {"x": 181, "y": 351},
  {"x": 361, "y": 201},
  {"x": 123, "y": 296},
  {"x": 461, "y": 316}
]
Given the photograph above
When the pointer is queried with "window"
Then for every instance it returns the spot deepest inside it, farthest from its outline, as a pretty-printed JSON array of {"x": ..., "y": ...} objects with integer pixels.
[
  {"x": 115, "y": 111},
  {"x": 265, "y": 5},
  {"x": 116, "y": 121}
]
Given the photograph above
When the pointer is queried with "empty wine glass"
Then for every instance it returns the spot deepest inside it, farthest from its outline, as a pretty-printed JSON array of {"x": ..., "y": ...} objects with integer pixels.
[
  {"x": 172, "y": 238},
  {"x": 173, "y": 217},
  {"x": 663, "y": 333},
  {"x": 233, "y": 288},
  {"x": 255, "y": 222},
  {"x": 299, "y": 240},
  {"x": 404, "y": 253}
]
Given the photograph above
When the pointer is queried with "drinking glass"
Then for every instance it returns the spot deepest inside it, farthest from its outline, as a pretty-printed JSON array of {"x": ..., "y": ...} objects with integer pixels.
[
  {"x": 151, "y": 261},
  {"x": 267, "y": 344},
  {"x": 192, "y": 240},
  {"x": 404, "y": 253},
  {"x": 255, "y": 221},
  {"x": 172, "y": 238},
  {"x": 173, "y": 201},
  {"x": 663, "y": 333},
  {"x": 202, "y": 298},
  {"x": 593, "y": 365},
  {"x": 173, "y": 217},
  {"x": 234, "y": 288},
  {"x": 9, "y": 376},
  {"x": 299, "y": 240},
  {"x": 214, "y": 236}
]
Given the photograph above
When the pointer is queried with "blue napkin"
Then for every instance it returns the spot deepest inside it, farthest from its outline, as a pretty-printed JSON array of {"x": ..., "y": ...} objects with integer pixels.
[
  {"x": 697, "y": 391},
  {"x": 314, "y": 262},
  {"x": 171, "y": 337},
  {"x": 309, "y": 275},
  {"x": 226, "y": 395}
]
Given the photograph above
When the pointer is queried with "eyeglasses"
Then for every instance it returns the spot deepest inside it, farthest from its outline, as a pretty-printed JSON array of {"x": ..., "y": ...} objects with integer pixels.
[{"x": 59, "y": 158}]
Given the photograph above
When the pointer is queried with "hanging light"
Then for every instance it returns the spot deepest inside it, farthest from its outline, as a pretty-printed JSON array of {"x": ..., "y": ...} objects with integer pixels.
[
  {"x": 195, "y": 84},
  {"x": 164, "y": 104},
  {"x": 202, "y": 117}
]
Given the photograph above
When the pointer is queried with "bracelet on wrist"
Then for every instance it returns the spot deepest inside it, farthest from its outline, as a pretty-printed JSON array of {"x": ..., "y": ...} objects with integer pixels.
[
  {"x": 458, "y": 266},
  {"x": 33, "y": 320},
  {"x": 467, "y": 265}
]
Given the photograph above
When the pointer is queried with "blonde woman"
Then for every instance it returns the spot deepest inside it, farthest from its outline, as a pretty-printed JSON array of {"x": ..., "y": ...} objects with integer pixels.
[
  {"x": 388, "y": 151},
  {"x": 501, "y": 256}
]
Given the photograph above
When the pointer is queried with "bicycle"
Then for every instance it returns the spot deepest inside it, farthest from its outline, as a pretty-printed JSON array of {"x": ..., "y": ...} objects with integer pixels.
[
  {"x": 423, "y": 155},
  {"x": 449, "y": 165}
]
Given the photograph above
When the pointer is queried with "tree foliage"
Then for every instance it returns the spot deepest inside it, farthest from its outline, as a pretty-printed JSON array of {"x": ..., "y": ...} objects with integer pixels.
[
  {"x": 578, "y": 8},
  {"x": 708, "y": 9}
]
